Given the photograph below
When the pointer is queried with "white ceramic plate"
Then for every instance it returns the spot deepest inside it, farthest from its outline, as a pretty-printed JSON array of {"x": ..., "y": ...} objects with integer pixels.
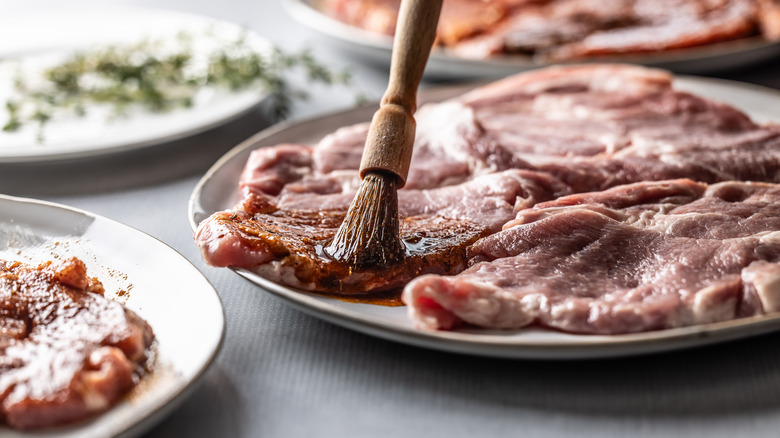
[
  {"x": 162, "y": 287},
  {"x": 376, "y": 48},
  {"x": 217, "y": 191},
  {"x": 42, "y": 38}
]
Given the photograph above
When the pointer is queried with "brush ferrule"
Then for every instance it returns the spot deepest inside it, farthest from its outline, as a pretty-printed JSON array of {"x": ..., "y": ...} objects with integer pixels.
[{"x": 389, "y": 143}]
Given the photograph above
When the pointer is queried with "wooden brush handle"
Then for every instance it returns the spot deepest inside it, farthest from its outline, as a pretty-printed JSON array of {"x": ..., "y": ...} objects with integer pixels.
[{"x": 391, "y": 135}]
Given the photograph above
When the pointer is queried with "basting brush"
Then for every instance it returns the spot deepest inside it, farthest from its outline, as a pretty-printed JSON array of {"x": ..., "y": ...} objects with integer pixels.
[{"x": 370, "y": 233}]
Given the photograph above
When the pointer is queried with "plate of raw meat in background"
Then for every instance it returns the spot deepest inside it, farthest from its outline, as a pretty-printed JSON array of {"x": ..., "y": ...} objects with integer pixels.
[
  {"x": 31, "y": 48},
  {"x": 155, "y": 279},
  {"x": 218, "y": 191},
  {"x": 445, "y": 64}
]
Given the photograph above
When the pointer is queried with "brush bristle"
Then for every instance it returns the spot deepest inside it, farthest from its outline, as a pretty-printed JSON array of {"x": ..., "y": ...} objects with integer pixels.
[{"x": 369, "y": 235}]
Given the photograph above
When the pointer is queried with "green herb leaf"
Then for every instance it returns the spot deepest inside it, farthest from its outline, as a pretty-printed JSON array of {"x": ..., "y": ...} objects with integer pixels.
[{"x": 150, "y": 75}]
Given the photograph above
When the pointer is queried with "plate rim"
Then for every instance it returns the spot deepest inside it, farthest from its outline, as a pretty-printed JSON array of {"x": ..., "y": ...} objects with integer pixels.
[
  {"x": 606, "y": 346},
  {"x": 159, "y": 409},
  {"x": 503, "y": 347}
]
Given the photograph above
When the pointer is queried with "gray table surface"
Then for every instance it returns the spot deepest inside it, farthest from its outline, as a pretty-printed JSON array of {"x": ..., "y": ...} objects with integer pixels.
[{"x": 282, "y": 373}]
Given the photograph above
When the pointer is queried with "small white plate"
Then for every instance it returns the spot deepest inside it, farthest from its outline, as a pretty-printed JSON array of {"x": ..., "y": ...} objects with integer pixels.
[
  {"x": 41, "y": 38},
  {"x": 217, "y": 191},
  {"x": 376, "y": 48},
  {"x": 162, "y": 287}
]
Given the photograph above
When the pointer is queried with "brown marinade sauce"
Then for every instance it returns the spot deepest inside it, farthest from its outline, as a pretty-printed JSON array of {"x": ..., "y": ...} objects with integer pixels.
[{"x": 433, "y": 244}]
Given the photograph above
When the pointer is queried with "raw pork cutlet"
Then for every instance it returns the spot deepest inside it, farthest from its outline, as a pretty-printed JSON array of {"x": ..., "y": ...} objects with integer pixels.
[
  {"x": 575, "y": 29},
  {"x": 662, "y": 25},
  {"x": 66, "y": 352},
  {"x": 451, "y": 146},
  {"x": 591, "y": 126},
  {"x": 645, "y": 256},
  {"x": 598, "y": 126},
  {"x": 555, "y": 30},
  {"x": 539, "y": 28},
  {"x": 280, "y": 234}
]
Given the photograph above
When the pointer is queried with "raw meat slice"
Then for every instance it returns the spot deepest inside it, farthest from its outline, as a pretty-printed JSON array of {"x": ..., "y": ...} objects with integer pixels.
[
  {"x": 645, "y": 256},
  {"x": 459, "y": 18},
  {"x": 451, "y": 147},
  {"x": 555, "y": 30},
  {"x": 598, "y": 126},
  {"x": 593, "y": 126},
  {"x": 538, "y": 28},
  {"x": 66, "y": 352},
  {"x": 667, "y": 25}
]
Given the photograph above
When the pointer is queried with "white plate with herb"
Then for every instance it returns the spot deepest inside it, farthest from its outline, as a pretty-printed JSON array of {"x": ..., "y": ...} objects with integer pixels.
[
  {"x": 91, "y": 82},
  {"x": 155, "y": 279},
  {"x": 218, "y": 191}
]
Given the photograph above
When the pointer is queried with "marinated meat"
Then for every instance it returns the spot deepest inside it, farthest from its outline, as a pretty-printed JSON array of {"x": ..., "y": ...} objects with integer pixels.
[
  {"x": 461, "y": 186},
  {"x": 66, "y": 352},
  {"x": 282, "y": 237},
  {"x": 638, "y": 257},
  {"x": 554, "y": 30}
]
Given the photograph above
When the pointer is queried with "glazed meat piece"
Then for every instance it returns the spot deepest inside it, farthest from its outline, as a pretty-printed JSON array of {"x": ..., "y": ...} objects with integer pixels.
[
  {"x": 281, "y": 234},
  {"x": 461, "y": 186},
  {"x": 639, "y": 257},
  {"x": 66, "y": 352}
]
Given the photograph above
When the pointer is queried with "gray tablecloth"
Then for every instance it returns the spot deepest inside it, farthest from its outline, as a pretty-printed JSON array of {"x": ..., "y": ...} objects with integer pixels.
[{"x": 281, "y": 373}]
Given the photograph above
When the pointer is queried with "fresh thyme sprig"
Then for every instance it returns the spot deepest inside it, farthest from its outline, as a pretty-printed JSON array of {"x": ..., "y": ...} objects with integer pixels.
[{"x": 153, "y": 76}]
